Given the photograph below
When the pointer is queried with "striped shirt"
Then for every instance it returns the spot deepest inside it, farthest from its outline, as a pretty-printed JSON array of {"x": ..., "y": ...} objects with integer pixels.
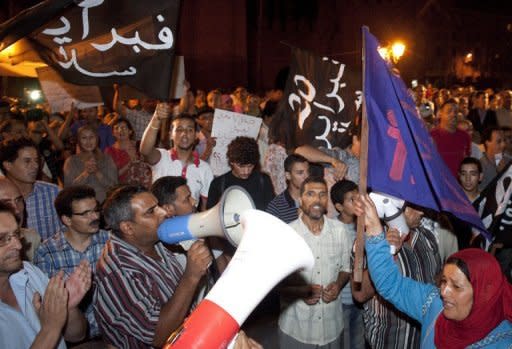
[
  {"x": 131, "y": 289},
  {"x": 41, "y": 214},
  {"x": 56, "y": 254},
  {"x": 284, "y": 207},
  {"x": 385, "y": 326}
]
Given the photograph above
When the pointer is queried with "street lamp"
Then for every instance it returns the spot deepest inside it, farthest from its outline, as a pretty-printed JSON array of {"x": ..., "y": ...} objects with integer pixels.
[
  {"x": 397, "y": 51},
  {"x": 393, "y": 52}
]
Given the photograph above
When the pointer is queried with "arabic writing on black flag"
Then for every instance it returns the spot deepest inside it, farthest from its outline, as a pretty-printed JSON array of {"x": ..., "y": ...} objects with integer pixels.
[
  {"x": 99, "y": 42},
  {"x": 495, "y": 207},
  {"x": 321, "y": 98}
]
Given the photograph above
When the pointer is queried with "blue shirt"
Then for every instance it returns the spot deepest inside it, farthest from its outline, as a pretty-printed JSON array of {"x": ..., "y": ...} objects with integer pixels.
[
  {"x": 56, "y": 253},
  {"x": 420, "y": 301},
  {"x": 19, "y": 329},
  {"x": 41, "y": 213}
]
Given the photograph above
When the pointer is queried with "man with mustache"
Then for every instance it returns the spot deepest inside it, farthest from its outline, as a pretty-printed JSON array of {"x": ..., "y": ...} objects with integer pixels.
[
  {"x": 80, "y": 239},
  {"x": 36, "y": 312},
  {"x": 312, "y": 314}
]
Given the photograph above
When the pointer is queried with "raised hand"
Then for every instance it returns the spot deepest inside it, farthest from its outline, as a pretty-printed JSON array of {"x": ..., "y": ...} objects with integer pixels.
[
  {"x": 162, "y": 111},
  {"x": 78, "y": 283},
  {"x": 394, "y": 238},
  {"x": 364, "y": 205}
]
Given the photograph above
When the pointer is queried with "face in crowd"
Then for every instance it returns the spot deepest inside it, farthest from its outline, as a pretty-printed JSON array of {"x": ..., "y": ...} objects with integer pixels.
[{"x": 313, "y": 200}]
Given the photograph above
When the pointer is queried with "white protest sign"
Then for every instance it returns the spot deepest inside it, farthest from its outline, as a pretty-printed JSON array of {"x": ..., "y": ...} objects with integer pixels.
[
  {"x": 226, "y": 127},
  {"x": 61, "y": 94}
]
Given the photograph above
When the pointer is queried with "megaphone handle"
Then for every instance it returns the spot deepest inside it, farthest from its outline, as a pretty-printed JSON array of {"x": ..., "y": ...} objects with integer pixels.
[{"x": 213, "y": 270}]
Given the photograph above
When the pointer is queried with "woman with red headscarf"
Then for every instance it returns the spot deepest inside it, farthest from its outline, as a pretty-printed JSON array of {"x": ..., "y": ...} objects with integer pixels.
[{"x": 472, "y": 308}]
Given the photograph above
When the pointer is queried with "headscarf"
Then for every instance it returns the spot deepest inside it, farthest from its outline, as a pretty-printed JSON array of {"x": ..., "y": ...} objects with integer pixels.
[{"x": 492, "y": 302}]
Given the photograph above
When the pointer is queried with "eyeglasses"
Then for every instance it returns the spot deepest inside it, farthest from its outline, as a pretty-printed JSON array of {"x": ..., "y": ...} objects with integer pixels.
[
  {"x": 7, "y": 238},
  {"x": 87, "y": 213}
]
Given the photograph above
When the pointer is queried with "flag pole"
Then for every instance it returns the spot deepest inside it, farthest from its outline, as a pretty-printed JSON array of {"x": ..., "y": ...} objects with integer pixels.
[{"x": 363, "y": 171}]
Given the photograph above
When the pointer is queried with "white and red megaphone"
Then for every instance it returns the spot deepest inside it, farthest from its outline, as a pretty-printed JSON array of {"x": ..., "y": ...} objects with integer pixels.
[
  {"x": 391, "y": 210},
  {"x": 269, "y": 251},
  {"x": 222, "y": 220}
]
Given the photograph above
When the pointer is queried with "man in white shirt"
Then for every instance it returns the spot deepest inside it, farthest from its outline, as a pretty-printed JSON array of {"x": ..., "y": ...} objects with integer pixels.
[
  {"x": 311, "y": 309},
  {"x": 181, "y": 159}
]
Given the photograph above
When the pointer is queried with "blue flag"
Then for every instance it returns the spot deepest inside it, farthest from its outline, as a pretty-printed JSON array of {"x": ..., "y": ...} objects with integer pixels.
[{"x": 402, "y": 158}]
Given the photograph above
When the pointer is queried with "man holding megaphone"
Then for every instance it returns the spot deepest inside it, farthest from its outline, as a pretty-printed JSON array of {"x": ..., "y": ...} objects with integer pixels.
[{"x": 142, "y": 292}]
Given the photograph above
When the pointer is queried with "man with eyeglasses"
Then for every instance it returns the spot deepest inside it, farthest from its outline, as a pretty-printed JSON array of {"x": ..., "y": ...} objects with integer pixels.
[
  {"x": 80, "y": 239},
  {"x": 11, "y": 195},
  {"x": 36, "y": 312}
]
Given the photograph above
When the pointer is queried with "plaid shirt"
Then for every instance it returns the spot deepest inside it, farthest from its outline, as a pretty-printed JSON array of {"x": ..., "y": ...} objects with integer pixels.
[
  {"x": 56, "y": 254},
  {"x": 41, "y": 214}
]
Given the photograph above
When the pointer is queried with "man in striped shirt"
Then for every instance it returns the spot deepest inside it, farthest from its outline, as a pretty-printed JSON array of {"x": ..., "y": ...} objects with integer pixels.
[
  {"x": 142, "y": 293},
  {"x": 285, "y": 206},
  {"x": 419, "y": 259}
]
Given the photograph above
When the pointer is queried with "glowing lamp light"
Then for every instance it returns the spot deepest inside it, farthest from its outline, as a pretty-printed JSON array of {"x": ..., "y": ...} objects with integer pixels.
[
  {"x": 397, "y": 50},
  {"x": 468, "y": 58},
  {"x": 392, "y": 53},
  {"x": 35, "y": 95}
]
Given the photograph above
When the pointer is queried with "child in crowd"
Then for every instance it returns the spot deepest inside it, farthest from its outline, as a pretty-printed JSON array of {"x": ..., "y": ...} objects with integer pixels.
[{"x": 343, "y": 194}]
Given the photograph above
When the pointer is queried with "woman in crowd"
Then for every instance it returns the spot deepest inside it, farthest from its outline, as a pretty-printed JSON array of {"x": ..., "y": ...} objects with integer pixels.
[
  {"x": 131, "y": 168},
  {"x": 90, "y": 166},
  {"x": 472, "y": 308}
]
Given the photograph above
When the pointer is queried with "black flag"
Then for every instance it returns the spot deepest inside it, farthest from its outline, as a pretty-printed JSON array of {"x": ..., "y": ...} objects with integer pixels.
[
  {"x": 101, "y": 42},
  {"x": 321, "y": 97},
  {"x": 495, "y": 207}
]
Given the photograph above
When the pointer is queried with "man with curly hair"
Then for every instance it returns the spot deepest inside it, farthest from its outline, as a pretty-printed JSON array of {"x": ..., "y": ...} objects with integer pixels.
[{"x": 244, "y": 158}]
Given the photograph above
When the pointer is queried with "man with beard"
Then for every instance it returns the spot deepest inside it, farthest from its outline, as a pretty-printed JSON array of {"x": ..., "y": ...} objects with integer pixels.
[
  {"x": 181, "y": 159},
  {"x": 36, "y": 312},
  {"x": 80, "y": 239},
  {"x": 312, "y": 314}
]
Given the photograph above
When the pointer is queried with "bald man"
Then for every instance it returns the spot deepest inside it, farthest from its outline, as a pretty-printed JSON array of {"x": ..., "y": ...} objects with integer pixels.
[{"x": 11, "y": 195}]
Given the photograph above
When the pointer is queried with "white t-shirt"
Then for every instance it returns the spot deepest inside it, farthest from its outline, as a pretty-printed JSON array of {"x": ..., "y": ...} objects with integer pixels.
[{"x": 199, "y": 175}]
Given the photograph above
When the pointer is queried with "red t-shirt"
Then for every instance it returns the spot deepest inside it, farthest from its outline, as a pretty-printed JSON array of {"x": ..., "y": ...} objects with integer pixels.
[{"x": 453, "y": 147}]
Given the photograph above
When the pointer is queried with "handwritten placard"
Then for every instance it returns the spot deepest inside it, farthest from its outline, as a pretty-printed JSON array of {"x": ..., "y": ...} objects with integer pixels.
[
  {"x": 226, "y": 127},
  {"x": 61, "y": 94}
]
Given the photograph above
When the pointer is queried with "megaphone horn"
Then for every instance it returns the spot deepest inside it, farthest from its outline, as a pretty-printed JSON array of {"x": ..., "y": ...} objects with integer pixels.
[
  {"x": 222, "y": 220},
  {"x": 256, "y": 267}
]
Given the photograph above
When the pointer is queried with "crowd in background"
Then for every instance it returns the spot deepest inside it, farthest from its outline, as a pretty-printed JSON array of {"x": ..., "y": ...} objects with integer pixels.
[{"x": 60, "y": 168}]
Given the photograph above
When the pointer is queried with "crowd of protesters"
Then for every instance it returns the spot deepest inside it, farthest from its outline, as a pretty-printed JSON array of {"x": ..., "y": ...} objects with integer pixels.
[{"x": 85, "y": 191}]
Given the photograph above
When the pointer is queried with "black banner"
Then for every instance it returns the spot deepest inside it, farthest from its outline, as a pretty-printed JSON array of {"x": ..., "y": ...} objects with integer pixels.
[
  {"x": 495, "y": 206},
  {"x": 101, "y": 42},
  {"x": 322, "y": 97}
]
